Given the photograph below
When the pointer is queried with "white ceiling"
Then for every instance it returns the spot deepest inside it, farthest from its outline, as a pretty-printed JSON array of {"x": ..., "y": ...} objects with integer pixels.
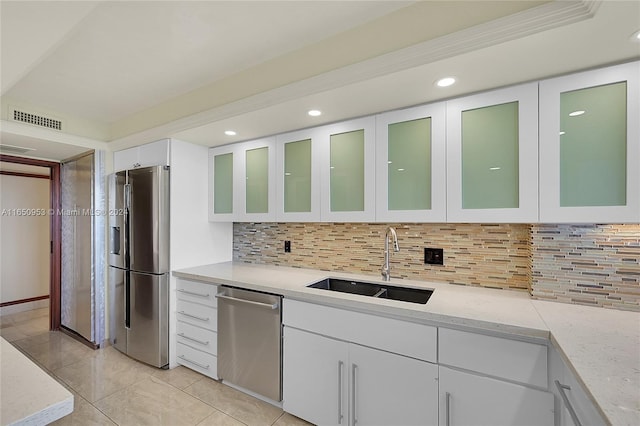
[{"x": 192, "y": 69}]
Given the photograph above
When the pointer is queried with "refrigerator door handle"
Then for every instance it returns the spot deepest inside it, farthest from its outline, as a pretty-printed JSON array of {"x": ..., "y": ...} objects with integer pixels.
[
  {"x": 127, "y": 196},
  {"x": 115, "y": 240},
  {"x": 127, "y": 303}
]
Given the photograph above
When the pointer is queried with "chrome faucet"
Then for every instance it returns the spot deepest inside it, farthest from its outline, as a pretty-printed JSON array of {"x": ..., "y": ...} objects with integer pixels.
[{"x": 386, "y": 269}]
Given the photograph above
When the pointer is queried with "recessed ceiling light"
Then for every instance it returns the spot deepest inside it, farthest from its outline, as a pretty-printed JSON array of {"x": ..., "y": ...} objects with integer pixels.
[
  {"x": 562, "y": 133},
  {"x": 636, "y": 36},
  {"x": 576, "y": 113},
  {"x": 230, "y": 133},
  {"x": 445, "y": 82},
  {"x": 314, "y": 112}
]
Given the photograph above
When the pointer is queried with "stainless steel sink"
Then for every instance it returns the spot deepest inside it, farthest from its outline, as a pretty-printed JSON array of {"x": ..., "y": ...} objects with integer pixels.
[{"x": 382, "y": 291}]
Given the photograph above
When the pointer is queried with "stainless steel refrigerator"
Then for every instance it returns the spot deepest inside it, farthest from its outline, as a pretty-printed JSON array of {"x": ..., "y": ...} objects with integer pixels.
[{"x": 139, "y": 263}]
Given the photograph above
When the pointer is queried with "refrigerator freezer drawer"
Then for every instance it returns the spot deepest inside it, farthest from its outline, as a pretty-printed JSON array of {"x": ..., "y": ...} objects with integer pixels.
[
  {"x": 198, "y": 338},
  {"x": 148, "y": 335},
  {"x": 199, "y": 361}
]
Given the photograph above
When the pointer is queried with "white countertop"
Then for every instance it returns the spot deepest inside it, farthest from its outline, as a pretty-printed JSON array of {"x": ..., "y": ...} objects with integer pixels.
[
  {"x": 28, "y": 395},
  {"x": 602, "y": 346}
]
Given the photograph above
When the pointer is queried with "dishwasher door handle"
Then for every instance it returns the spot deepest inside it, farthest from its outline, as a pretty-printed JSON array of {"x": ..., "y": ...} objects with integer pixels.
[{"x": 250, "y": 302}]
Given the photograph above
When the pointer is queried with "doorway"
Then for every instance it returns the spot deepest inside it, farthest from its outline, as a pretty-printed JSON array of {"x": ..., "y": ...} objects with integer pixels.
[{"x": 54, "y": 229}]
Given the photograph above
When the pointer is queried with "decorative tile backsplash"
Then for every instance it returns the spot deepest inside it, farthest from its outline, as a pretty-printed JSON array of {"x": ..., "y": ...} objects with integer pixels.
[
  {"x": 479, "y": 255},
  {"x": 586, "y": 264}
]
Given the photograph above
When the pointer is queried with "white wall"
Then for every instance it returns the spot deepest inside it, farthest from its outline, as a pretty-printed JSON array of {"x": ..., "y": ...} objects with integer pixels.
[{"x": 24, "y": 248}]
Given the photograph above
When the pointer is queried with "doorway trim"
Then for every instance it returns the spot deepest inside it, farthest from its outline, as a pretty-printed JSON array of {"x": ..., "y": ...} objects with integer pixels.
[{"x": 55, "y": 226}]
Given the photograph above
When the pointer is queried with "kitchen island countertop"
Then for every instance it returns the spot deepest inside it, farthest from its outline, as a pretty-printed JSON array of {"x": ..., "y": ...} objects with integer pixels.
[
  {"x": 601, "y": 346},
  {"x": 28, "y": 395}
]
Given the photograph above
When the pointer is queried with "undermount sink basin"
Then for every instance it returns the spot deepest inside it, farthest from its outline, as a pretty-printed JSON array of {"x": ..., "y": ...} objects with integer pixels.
[{"x": 382, "y": 291}]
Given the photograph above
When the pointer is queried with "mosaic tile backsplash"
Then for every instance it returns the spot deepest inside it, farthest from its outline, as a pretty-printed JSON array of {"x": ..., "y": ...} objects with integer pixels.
[
  {"x": 479, "y": 255},
  {"x": 585, "y": 264}
]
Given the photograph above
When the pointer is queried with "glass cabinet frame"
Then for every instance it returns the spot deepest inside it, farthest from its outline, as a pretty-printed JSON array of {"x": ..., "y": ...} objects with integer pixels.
[
  {"x": 240, "y": 181},
  {"x": 367, "y": 214},
  {"x": 527, "y": 207},
  {"x": 437, "y": 211},
  {"x": 214, "y": 152},
  {"x": 551, "y": 210},
  {"x": 313, "y": 215}
]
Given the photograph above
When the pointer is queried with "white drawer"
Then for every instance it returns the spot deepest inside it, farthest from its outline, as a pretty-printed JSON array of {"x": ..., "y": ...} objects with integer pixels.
[
  {"x": 196, "y": 314},
  {"x": 194, "y": 291},
  {"x": 199, "y": 361},
  {"x": 198, "y": 338},
  {"x": 401, "y": 337},
  {"x": 495, "y": 356}
]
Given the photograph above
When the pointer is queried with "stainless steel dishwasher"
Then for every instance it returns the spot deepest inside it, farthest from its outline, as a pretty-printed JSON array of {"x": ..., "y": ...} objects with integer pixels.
[{"x": 250, "y": 340}]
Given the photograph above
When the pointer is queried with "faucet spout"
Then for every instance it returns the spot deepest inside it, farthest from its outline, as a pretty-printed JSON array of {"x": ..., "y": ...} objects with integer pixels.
[{"x": 386, "y": 268}]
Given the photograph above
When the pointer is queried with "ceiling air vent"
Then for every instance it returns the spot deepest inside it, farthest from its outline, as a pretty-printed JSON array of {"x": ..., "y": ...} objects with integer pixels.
[
  {"x": 38, "y": 120},
  {"x": 10, "y": 149}
]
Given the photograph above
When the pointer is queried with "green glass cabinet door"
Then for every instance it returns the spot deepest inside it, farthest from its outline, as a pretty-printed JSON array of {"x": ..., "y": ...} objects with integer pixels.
[
  {"x": 349, "y": 171},
  {"x": 257, "y": 180},
  {"x": 410, "y": 159},
  {"x": 492, "y": 155},
  {"x": 298, "y": 176},
  {"x": 222, "y": 166},
  {"x": 223, "y": 183},
  {"x": 589, "y": 146}
]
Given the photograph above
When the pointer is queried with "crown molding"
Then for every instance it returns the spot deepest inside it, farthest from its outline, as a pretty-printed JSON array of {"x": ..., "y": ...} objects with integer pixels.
[{"x": 539, "y": 19}]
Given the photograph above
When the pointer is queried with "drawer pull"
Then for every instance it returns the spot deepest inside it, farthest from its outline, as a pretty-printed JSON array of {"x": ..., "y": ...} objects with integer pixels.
[
  {"x": 193, "y": 293},
  {"x": 194, "y": 316},
  {"x": 194, "y": 340},
  {"x": 567, "y": 403},
  {"x": 206, "y": 367}
]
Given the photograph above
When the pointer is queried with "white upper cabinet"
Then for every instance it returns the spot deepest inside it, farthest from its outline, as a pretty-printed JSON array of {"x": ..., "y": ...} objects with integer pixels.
[
  {"x": 492, "y": 156},
  {"x": 590, "y": 146},
  {"x": 347, "y": 160},
  {"x": 242, "y": 182},
  {"x": 257, "y": 192},
  {"x": 151, "y": 154},
  {"x": 224, "y": 164},
  {"x": 298, "y": 176},
  {"x": 410, "y": 165}
]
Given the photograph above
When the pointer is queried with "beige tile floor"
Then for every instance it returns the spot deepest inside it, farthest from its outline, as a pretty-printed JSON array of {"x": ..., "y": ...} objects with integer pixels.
[{"x": 112, "y": 389}]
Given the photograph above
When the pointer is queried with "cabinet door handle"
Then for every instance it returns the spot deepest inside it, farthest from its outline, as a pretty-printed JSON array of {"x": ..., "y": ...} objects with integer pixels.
[
  {"x": 206, "y": 367},
  {"x": 354, "y": 416},
  {"x": 194, "y": 340},
  {"x": 194, "y": 316},
  {"x": 447, "y": 409},
  {"x": 340, "y": 416},
  {"x": 567, "y": 403},
  {"x": 193, "y": 293}
]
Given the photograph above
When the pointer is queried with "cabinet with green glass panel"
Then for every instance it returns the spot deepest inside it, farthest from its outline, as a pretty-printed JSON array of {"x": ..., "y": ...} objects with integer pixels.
[
  {"x": 590, "y": 146},
  {"x": 492, "y": 156},
  {"x": 410, "y": 165},
  {"x": 347, "y": 175},
  {"x": 242, "y": 179},
  {"x": 298, "y": 176},
  {"x": 223, "y": 164},
  {"x": 257, "y": 192}
]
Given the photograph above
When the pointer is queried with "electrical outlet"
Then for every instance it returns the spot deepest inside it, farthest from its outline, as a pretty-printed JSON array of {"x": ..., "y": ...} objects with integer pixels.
[
  {"x": 434, "y": 256},
  {"x": 287, "y": 246}
]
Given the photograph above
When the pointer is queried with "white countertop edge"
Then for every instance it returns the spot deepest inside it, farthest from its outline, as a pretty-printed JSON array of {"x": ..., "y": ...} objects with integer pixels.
[{"x": 49, "y": 415}]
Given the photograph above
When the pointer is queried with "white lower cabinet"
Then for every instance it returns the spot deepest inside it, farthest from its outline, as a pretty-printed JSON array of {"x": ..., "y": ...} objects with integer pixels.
[
  {"x": 573, "y": 405},
  {"x": 197, "y": 326},
  {"x": 469, "y": 399},
  {"x": 332, "y": 382}
]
